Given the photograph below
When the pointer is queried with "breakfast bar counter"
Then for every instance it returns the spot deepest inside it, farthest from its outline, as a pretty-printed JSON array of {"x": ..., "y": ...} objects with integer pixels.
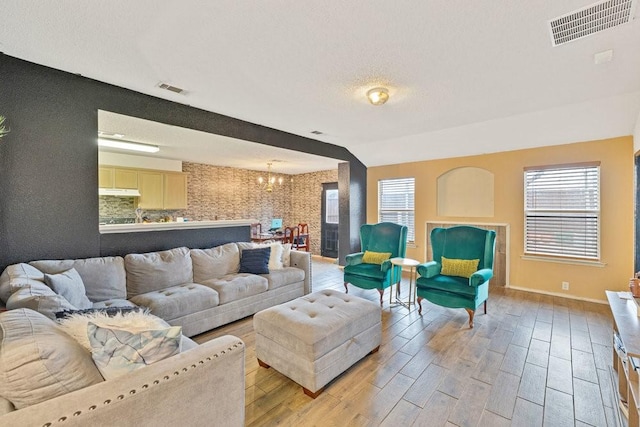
[{"x": 162, "y": 226}]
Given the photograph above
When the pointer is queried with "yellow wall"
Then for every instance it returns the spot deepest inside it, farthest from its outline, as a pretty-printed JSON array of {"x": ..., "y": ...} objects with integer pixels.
[{"x": 617, "y": 211}]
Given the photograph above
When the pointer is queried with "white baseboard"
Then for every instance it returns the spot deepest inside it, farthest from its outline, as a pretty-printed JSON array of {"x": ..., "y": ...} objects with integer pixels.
[{"x": 557, "y": 294}]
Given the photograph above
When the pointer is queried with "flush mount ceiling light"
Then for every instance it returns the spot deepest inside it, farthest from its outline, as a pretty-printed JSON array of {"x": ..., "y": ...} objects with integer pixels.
[
  {"x": 378, "y": 95},
  {"x": 127, "y": 145}
]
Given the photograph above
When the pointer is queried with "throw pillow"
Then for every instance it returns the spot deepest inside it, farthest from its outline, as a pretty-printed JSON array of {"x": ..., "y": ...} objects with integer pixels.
[
  {"x": 69, "y": 284},
  {"x": 255, "y": 261},
  {"x": 275, "y": 258},
  {"x": 38, "y": 361},
  {"x": 117, "y": 352},
  {"x": 133, "y": 321},
  {"x": 370, "y": 257},
  {"x": 459, "y": 267},
  {"x": 286, "y": 254}
]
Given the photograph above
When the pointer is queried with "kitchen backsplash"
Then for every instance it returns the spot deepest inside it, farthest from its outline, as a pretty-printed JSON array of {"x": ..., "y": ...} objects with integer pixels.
[{"x": 220, "y": 193}]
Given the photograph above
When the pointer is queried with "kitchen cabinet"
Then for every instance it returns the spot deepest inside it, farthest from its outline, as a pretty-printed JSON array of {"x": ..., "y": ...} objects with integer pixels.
[
  {"x": 158, "y": 189},
  {"x": 125, "y": 178},
  {"x": 151, "y": 187},
  {"x": 110, "y": 177},
  {"x": 105, "y": 177},
  {"x": 175, "y": 191},
  {"x": 162, "y": 190}
]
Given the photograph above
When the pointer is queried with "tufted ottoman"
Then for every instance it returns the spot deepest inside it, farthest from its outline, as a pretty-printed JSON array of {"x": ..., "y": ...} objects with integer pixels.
[{"x": 315, "y": 338}]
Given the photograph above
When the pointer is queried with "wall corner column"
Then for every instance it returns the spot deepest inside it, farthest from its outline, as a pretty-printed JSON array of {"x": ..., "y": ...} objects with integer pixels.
[{"x": 352, "y": 190}]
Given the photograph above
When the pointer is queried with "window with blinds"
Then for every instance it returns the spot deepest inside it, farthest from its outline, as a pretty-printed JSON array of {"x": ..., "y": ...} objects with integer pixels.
[
  {"x": 562, "y": 211},
  {"x": 396, "y": 203}
]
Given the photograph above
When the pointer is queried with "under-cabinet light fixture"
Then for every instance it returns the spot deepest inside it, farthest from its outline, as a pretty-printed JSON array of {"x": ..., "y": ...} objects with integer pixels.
[{"x": 127, "y": 145}]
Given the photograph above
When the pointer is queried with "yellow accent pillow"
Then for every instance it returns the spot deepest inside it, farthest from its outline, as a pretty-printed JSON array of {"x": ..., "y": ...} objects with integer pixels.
[
  {"x": 459, "y": 267},
  {"x": 375, "y": 257}
]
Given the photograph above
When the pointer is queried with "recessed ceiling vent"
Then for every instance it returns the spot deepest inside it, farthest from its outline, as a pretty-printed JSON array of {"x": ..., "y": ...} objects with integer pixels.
[
  {"x": 590, "y": 20},
  {"x": 170, "y": 88},
  {"x": 316, "y": 132}
]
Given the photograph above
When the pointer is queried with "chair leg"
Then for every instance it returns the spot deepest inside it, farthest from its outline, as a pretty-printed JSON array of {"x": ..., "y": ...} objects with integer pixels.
[
  {"x": 381, "y": 294},
  {"x": 346, "y": 290},
  {"x": 485, "y": 306},
  {"x": 420, "y": 306},
  {"x": 471, "y": 313}
]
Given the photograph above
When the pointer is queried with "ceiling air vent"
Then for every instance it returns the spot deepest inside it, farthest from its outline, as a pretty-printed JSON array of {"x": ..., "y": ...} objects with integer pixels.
[
  {"x": 170, "y": 88},
  {"x": 316, "y": 132},
  {"x": 590, "y": 20}
]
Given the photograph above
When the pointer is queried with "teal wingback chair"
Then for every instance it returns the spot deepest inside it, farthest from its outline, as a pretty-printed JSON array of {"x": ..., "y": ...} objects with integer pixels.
[
  {"x": 385, "y": 237},
  {"x": 464, "y": 285}
]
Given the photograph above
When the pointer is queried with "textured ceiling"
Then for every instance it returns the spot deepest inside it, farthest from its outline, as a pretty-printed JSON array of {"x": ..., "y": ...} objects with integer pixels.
[{"x": 464, "y": 77}]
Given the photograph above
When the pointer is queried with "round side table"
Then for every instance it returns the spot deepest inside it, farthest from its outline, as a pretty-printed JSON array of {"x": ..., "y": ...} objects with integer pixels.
[{"x": 412, "y": 264}]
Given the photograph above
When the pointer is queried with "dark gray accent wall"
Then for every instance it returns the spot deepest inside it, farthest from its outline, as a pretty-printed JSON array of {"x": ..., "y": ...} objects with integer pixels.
[
  {"x": 114, "y": 244},
  {"x": 352, "y": 187},
  {"x": 48, "y": 162}
]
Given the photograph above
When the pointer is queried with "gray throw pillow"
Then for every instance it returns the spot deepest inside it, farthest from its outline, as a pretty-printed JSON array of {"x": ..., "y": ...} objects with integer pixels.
[{"x": 69, "y": 284}]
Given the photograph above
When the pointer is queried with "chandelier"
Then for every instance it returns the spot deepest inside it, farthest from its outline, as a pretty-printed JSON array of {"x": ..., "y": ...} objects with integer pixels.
[{"x": 269, "y": 183}]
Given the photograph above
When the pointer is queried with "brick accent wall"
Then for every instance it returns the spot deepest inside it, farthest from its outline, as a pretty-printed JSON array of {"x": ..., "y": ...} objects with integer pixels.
[{"x": 307, "y": 202}]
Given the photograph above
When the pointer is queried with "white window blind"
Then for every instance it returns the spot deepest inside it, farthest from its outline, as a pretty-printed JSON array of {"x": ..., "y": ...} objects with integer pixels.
[
  {"x": 396, "y": 203},
  {"x": 562, "y": 211}
]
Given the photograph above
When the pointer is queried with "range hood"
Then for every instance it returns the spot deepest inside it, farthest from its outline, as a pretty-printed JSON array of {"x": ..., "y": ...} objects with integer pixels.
[{"x": 118, "y": 192}]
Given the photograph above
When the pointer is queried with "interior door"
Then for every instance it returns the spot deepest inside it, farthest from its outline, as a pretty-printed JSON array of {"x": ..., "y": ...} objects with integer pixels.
[{"x": 329, "y": 222}]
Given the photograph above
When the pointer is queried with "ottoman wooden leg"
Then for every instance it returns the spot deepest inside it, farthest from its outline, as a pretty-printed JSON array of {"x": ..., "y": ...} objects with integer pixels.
[
  {"x": 375, "y": 350},
  {"x": 262, "y": 364},
  {"x": 312, "y": 394}
]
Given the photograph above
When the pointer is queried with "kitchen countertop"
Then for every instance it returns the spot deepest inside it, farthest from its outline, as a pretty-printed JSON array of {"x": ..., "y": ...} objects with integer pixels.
[{"x": 162, "y": 226}]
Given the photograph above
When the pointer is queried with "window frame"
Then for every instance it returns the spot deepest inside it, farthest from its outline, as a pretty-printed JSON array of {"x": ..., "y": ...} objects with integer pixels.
[
  {"x": 587, "y": 213},
  {"x": 411, "y": 228}
]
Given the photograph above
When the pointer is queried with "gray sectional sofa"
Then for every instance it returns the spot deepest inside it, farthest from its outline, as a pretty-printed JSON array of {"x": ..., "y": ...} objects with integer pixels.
[
  {"x": 197, "y": 289},
  {"x": 48, "y": 379}
]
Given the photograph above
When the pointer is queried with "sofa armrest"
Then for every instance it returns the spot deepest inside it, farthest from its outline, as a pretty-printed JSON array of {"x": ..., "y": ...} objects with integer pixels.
[
  {"x": 302, "y": 260},
  {"x": 429, "y": 269},
  {"x": 203, "y": 386},
  {"x": 480, "y": 276},
  {"x": 354, "y": 259}
]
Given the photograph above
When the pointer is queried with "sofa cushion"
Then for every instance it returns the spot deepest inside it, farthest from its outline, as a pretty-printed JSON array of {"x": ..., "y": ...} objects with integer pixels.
[
  {"x": 41, "y": 298},
  {"x": 255, "y": 261},
  {"x": 38, "y": 361},
  {"x": 449, "y": 284},
  {"x": 237, "y": 286},
  {"x": 367, "y": 270},
  {"x": 284, "y": 277},
  {"x": 69, "y": 284},
  {"x": 17, "y": 276},
  {"x": 157, "y": 270},
  {"x": 103, "y": 277},
  {"x": 117, "y": 352},
  {"x": 215, "y": 262},
  {"x": 178, "y": 301},
  {"x": 114, "y": 303}
]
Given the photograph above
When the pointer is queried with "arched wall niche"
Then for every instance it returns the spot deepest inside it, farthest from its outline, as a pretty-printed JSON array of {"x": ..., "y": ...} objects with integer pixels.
[{"x": 465, "y": 192}]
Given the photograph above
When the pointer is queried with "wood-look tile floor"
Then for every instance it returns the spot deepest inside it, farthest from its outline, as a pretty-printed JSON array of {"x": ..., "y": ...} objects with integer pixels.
[{"x": 533, "y": 360}]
